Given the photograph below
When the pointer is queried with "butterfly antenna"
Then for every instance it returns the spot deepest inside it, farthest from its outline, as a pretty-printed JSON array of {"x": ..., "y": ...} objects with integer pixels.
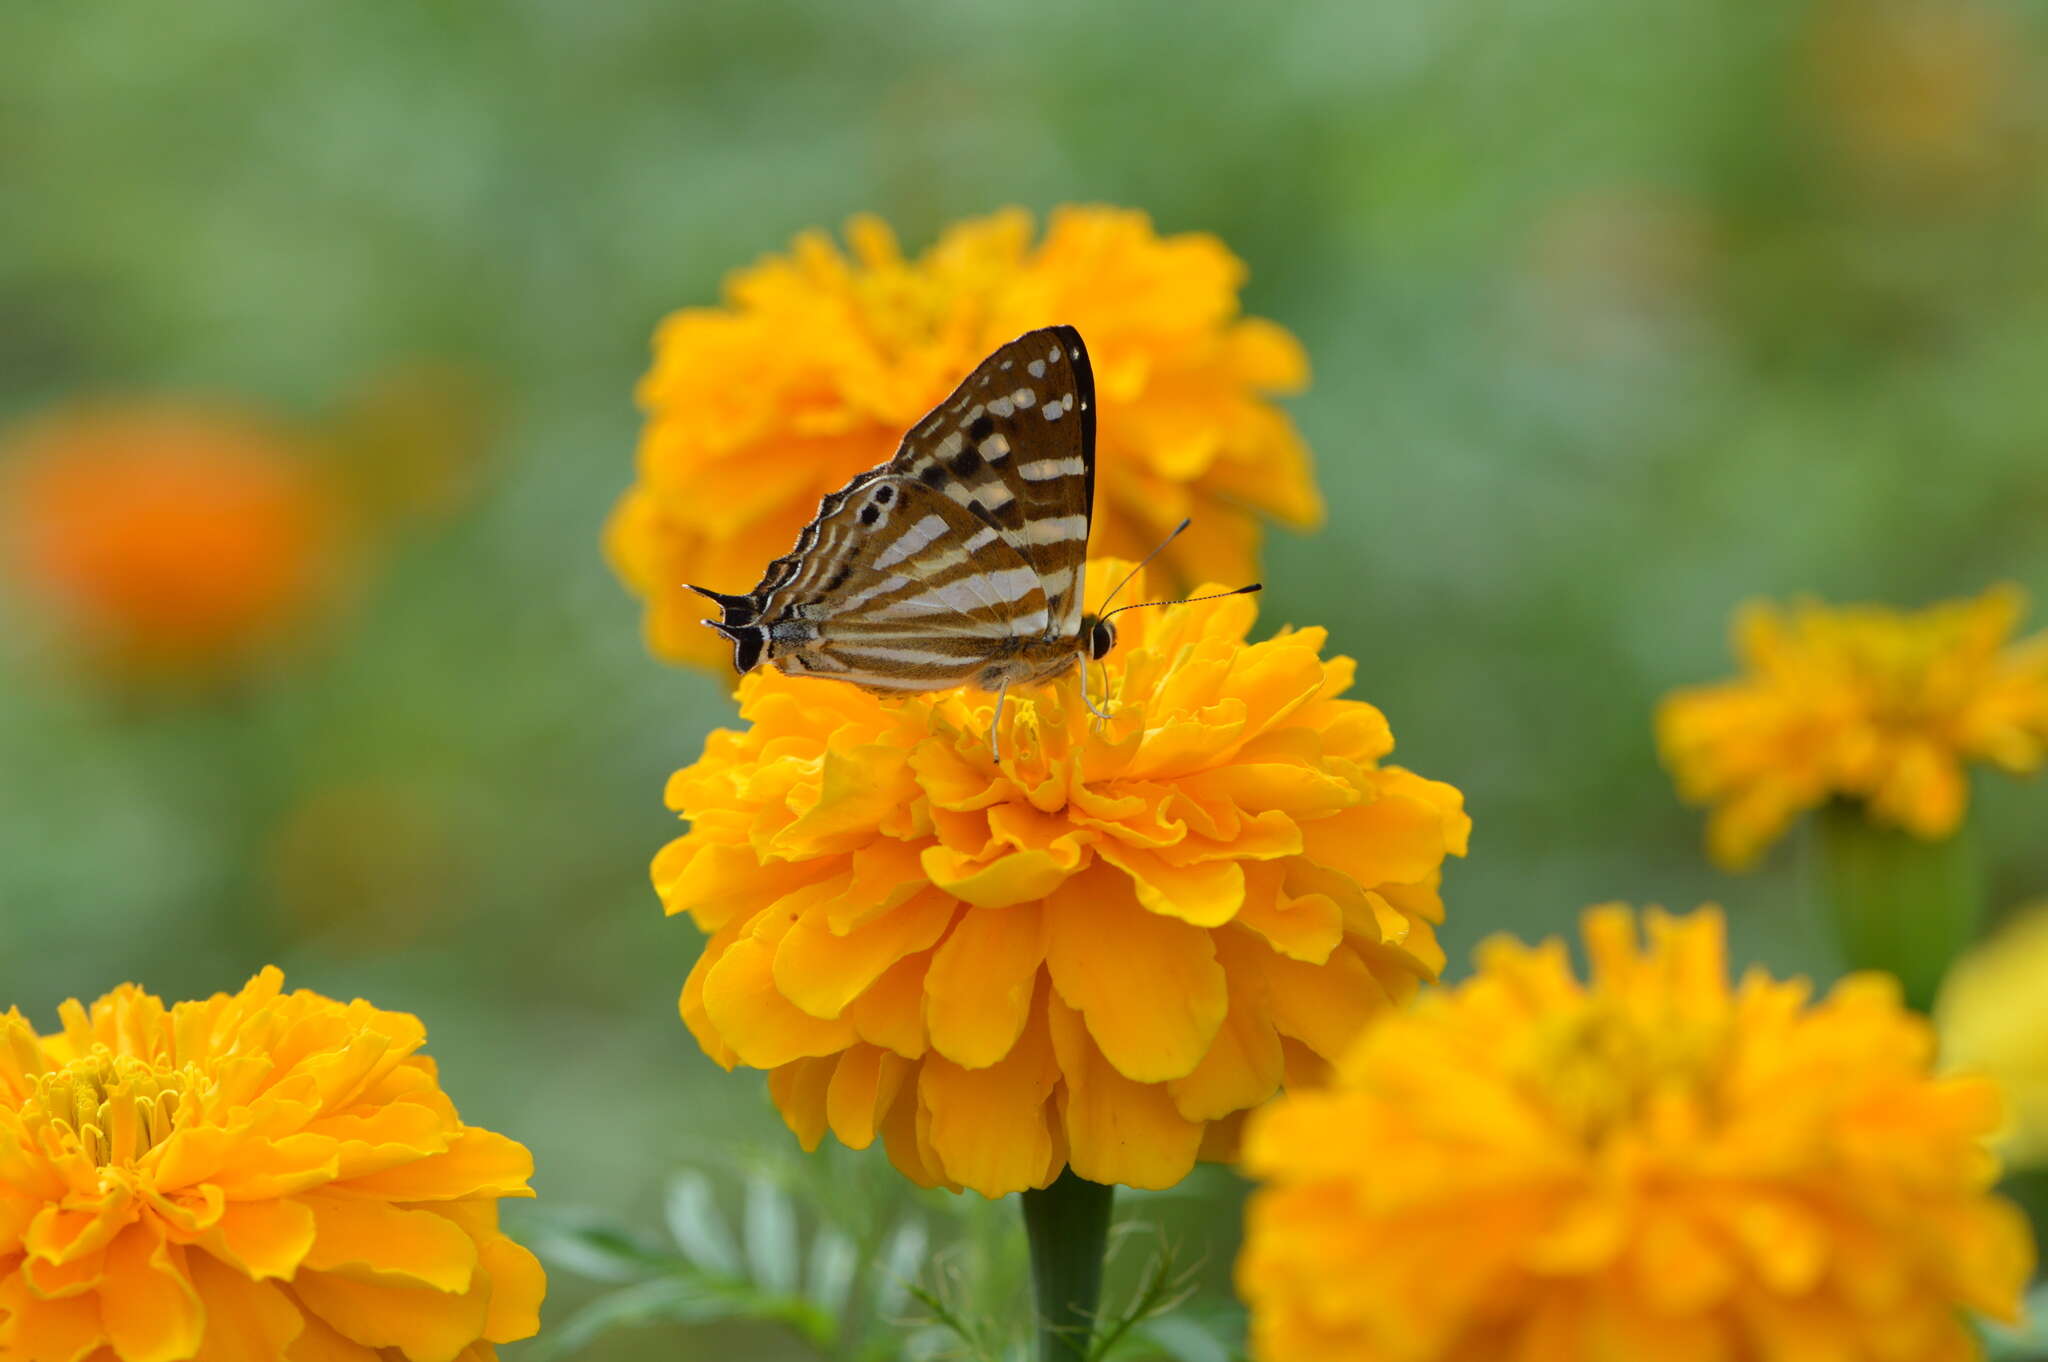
[
  {"x": 1145, "y": 561},
  {"x": 1190, "y": 600}
]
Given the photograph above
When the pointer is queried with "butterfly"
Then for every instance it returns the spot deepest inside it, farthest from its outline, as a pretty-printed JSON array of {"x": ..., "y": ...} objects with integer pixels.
[{"x": 960, "y": 561}]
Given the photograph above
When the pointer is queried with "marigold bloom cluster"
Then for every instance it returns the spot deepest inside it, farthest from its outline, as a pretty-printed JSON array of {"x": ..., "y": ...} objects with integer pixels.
[
  {"x": 1098, "y": 954},
  {"x": 1993, "y": 1019},
  {"x": 167, "y": 538},
  {"x": 253, "y": 1177},
  {"x": 1870, "y": 704},
  {"x": 819, "y": 362},
  {"x": 1649, "y": 1165}
]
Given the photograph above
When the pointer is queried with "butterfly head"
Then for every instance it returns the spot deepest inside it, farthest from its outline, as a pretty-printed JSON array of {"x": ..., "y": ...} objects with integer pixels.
[{"x": 1098, "y": 636}]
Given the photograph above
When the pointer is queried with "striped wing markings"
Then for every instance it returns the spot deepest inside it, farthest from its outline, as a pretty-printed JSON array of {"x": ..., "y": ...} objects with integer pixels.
[
  {"x": 899, "y": 588},
  {"x": 1014, "y": 445}
]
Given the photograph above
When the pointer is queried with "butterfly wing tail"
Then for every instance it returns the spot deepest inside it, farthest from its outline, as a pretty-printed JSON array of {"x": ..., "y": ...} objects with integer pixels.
[{"x": 740, "y": 623}]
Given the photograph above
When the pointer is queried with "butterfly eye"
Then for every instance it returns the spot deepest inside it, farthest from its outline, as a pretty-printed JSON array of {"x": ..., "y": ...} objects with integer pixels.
[{"x": 1101, "y": 638}]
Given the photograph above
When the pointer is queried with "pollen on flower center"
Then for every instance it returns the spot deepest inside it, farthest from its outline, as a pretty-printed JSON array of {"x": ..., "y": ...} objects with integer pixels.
[{"x": 116, "y": 1108}]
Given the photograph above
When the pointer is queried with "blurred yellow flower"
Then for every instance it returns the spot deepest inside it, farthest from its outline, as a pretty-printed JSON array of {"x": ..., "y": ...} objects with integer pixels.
[
  {"x": 1097, "y": 955},
  {"x": 253, "y": 1177},
  {"x": 1654, "y": 1165},
  {"x": 168, "y": 538},
  {"x": 1865, "y": 703},
  {"x": 1993, "y": 1019},
  {"x": 818, "y": 364}
]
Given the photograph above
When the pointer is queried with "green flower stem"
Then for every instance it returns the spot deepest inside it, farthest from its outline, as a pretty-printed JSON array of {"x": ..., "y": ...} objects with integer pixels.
[
  {"x": 1068, "y": 1225},
  {"x": 1898, "y": 903}
]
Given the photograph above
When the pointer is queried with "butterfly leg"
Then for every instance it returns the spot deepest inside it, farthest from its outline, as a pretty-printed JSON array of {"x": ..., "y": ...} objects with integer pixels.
[
  {"x": 995, "y": 725},
  {"x": 1084, "y": 690}
]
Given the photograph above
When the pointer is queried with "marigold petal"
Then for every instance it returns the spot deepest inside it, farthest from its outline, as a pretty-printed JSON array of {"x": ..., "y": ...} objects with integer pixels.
[
  {"x": 1152, "y": 1023},
  {"x": 1242, "y": 1066},
  {"x": 891, "y": 1013},
  {"x": 1117, "y": 1131},
  {"x": 1203, "y": 895},
  {"x": 262, "y": 1238},
  {"x": 148, "y": 1306},
  {"x": 1323, "y": 1006},
  {"x": 822, "y": 970},
  {"x": 517, "y": 1286},
  {"x": 1016, "y": 878},
  {"x": 476, "y": 1163},
  {"x": 863, "y": 1087},
  {"x": 1394, "y": 839},
  {"x": 390, "y": 1240},
  {"x": 426, "y": 1325},
  {"x": 763, "y": 1027},
  {"x": 979, "y": 988},
  {"x": 65, "y": 1330},
  {"x": 246, "y": 1321},
  {"x": 989, "y": 1125}
]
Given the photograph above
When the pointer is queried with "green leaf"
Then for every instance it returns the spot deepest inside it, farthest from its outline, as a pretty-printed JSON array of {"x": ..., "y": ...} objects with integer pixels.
[
  {"x": 590, "y": 1249},
  {"x": 665, "y": 1300},
  {"x": 834, "y": 1257},
  {"x": 902, "y": 1258},
  {"x": 771, "y": 1237},
  {"x": 1185, "y": 1339},
  {"x": 697, "y": 1227}
]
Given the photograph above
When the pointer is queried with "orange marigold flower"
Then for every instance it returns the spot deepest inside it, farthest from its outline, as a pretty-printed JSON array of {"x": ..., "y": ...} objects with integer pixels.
[
  {"x": 1866, "y": 703},
  {"x": 1099, "y": 953},
  {"x": 168, "y": 538},
  {"x": 257, "y": 1176},
  {"x": 1652, "y": 1165},
  {"x": 1993, "y": 1019},
  {"x": 818, "y": 364}
]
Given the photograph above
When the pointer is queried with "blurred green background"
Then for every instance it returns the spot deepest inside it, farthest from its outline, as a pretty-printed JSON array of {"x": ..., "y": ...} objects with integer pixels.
[{"x": 1620, "y": 314}]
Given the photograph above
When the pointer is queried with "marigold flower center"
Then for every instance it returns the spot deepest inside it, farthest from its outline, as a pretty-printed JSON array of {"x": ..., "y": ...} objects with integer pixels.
[
  {"x": 1599, "y": 1067},
  {"x": 115, "y": 1108}
]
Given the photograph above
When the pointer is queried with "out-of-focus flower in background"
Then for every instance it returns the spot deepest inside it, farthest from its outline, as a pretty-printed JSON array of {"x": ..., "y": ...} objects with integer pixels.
[
  {"x": 1924, "y": 99},
  {"x": 1869, "y": 704},
  {"x": 166, "y": 538},
  {"x": 1993, "y": 1018},
  {"x": 1649, "y": 1165},
  {"x": 255, "y": 1175},
  {"x": 818, "y": 363},
  {"x": 370, "y": 865},
  {"x": 1098, "y": 954}
]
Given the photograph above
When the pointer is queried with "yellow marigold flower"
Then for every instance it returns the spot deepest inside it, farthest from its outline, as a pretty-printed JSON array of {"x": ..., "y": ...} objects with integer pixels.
[
  {"x": 254, "y": 1177},
  {"x": 818, "y": 363},
  {"x": 1866, "y": 703},
  {"x": 1993, "y": 1019},
  {"x": 1652, "y": 1165},
  {"x": 1099, "y": 954},
  {"x": 166, "y": 537}
]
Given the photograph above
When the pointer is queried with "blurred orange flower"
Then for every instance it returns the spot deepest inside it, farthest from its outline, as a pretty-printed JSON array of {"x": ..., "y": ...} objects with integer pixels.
[
  {"x": 818, "y": 364},
  {"x": 1099, "y": 953},
  {"x": 168, "y": 538},
  {"x": 1865, "y": 703},
  {"x": 257, "y": 1176},
  {"x": 1652, "y": 1165}
]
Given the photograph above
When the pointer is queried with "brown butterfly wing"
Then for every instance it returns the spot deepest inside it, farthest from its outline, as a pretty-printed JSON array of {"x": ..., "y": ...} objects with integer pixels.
[
  {"x": 967, "y": 545},
  {"x": 1014, "y": 446}
]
